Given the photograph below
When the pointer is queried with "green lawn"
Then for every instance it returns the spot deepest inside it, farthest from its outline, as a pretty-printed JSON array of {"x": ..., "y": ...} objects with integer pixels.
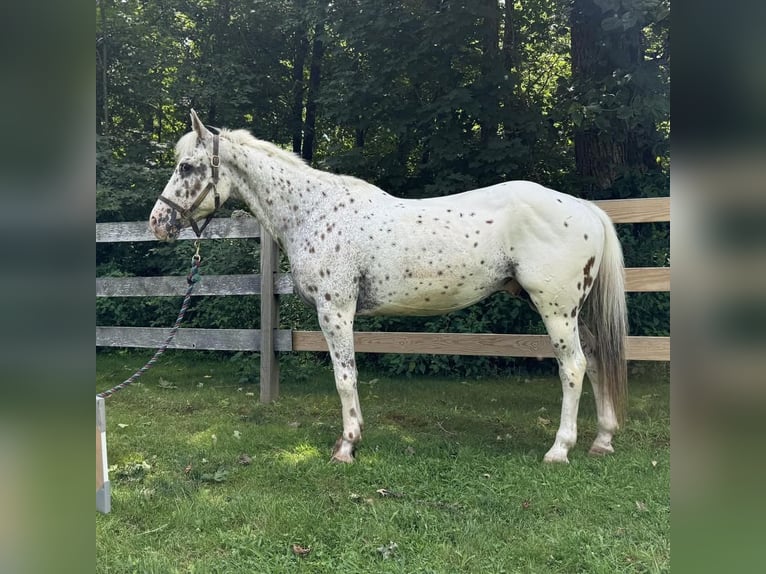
[{"x": 449, "y": 477}]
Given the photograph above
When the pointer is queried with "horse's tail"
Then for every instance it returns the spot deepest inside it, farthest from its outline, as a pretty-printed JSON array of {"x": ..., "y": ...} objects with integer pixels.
[{"x": 608, "y": 320}]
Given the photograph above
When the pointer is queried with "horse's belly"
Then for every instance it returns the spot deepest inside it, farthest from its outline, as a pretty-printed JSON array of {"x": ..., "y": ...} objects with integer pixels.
[{"x": 419, "y": 300}]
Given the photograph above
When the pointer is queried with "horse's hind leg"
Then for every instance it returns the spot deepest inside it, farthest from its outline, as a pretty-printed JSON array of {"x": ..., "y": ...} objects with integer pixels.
[
  {"x": 562, "y": 329},
  {"x": 607, "y": 419}
]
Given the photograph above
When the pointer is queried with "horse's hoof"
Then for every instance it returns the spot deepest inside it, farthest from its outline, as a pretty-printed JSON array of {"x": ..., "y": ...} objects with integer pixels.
[
  {"x": 556, "y": 458},
  {"x": 341, "y": 458},
  {"x": 343, "y": 451},
  {"x": 601, "y": 450}
]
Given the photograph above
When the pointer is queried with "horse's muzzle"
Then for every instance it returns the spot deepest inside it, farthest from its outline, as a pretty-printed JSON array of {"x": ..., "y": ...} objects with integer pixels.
[{"x": 165, "y": 223}]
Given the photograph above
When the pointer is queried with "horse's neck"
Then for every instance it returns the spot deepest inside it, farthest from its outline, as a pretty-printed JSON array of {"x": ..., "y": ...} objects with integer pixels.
[{"x": 280, "y": 193}]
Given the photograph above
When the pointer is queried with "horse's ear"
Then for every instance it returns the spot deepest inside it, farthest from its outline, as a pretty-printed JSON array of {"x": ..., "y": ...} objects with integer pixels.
[{"x": 202, "y": 131}]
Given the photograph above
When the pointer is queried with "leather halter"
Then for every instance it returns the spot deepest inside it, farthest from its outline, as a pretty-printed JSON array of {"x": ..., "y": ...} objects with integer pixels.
[{"x": 186, "y": 214}]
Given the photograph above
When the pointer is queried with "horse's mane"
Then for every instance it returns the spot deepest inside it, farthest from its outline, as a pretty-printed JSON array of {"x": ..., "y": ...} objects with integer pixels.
[{"x": 187, "y": 143}]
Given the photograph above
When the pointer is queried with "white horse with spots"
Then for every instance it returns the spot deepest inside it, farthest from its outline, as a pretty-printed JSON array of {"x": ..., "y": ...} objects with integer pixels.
[{"x": 356, "y": 250}]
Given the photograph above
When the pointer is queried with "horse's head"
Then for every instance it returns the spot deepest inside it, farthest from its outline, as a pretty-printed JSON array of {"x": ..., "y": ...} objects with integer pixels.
[{"x": 197, "y": 187}]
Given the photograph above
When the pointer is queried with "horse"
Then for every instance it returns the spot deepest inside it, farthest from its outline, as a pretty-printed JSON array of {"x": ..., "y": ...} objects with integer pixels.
[{"x": 356, "y": 250}]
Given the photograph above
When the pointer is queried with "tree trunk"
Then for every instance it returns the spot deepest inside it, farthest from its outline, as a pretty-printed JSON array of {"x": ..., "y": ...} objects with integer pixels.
[
  {"x": 104, "y": 75},
  {"x": 510, "y": 56},
  {"x": 489, "y": 63},
  {"x": 299, "y": 63},
  {"x": 317, "y": 51},
  {"x": 601, "y": 155}
]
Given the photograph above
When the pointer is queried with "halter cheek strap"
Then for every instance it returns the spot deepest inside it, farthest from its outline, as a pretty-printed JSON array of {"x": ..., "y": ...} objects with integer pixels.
[{"x": 186, "y": 215}]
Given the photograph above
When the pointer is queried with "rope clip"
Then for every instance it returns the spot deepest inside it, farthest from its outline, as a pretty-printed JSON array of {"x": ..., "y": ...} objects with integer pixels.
[{"x": 196, "y": 257}]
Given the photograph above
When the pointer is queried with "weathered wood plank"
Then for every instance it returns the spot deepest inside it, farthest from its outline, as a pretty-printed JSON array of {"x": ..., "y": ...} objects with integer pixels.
[
  {"x": 219, "y": 228},
  {"x": 636, "y": 279},
  {"x": 200, "y": 339},
  {"x": 269, "y": 320},
  {"x": 644, "y": 279},
  {"x": 484, "y": 344},
  {"x": 176, "y": 285},
  {"x": 642, "y": 210}
]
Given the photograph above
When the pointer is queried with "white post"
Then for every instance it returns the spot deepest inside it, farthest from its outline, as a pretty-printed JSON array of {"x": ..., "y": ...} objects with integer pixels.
[{"x": 103, "y": 491}]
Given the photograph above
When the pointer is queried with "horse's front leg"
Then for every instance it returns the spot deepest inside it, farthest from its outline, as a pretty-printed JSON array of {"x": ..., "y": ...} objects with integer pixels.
[{"x": 338, "y": 328}]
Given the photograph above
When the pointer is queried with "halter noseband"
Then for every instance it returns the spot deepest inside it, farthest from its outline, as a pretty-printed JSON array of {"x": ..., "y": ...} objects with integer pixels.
[{"x": 186, "y": 214}]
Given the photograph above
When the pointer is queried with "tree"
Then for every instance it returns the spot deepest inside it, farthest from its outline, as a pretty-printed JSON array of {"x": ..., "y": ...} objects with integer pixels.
[{"x": 615, "y": 125}]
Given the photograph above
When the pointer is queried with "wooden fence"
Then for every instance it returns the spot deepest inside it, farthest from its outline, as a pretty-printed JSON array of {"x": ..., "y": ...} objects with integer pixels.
[{"x": 268, "y": 340}]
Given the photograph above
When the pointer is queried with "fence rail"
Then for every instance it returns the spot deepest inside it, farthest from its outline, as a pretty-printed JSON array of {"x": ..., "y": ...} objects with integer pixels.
[{"x": 638, "y": 279}]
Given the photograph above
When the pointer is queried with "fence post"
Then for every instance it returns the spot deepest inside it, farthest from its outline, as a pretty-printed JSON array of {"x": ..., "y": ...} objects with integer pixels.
[
  {"x": 103, "y": 488},
  {"x": 269, "y": 319}
]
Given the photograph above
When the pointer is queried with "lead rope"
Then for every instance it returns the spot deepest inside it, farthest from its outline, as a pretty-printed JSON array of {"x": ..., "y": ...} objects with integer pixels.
[{"x": 192, "y": 280}]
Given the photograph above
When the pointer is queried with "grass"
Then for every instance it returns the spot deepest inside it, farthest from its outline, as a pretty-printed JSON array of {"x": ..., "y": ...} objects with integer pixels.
[{"x": 449, "y": 477}]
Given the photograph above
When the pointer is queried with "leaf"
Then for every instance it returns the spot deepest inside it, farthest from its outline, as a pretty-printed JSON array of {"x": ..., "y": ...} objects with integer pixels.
[
  {"x": 388, "y": 550},
  {"x": 301, "y": 551},
  {"x": 244, "y": 459},
  {"x": 384, "y": 492},
  {"x": 220, "y": 475},
  {"x": 163, "y": 384}
]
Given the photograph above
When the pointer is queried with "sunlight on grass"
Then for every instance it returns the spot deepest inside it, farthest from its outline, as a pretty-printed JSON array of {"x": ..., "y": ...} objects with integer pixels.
[
  {"x": 300, "y": 454},
  {"x": 203, "y": 439}
]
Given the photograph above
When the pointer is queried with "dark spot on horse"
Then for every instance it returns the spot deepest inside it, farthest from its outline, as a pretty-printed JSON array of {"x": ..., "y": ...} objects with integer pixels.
[
  {"x": 321, "y": 273},
  {"x": 574, "y": 312},
  {"x": 312, "y": 250},
  {"x": 427, "y": 299},
  {"x": 337, "y": 247},
  {"x": 321, "y": 237},
  {"x": 571, "y": 385},
  {"x": 352, "y": 411},
  {"x": 578, "y": 285},
  {"x": 588, "y": 266},
  {"x": 566, "y": 224},
  {"x": 327, "y": 296},
  {"x": 476, "y": 244},
  {"x": 489, "y": 221},
  {"x": 559, "y": 201},
  {"x": 586, "y": 237}
]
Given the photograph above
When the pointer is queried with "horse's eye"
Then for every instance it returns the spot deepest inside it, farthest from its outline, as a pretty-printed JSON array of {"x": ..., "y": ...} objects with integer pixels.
[{"x": 185, "y": 168}]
